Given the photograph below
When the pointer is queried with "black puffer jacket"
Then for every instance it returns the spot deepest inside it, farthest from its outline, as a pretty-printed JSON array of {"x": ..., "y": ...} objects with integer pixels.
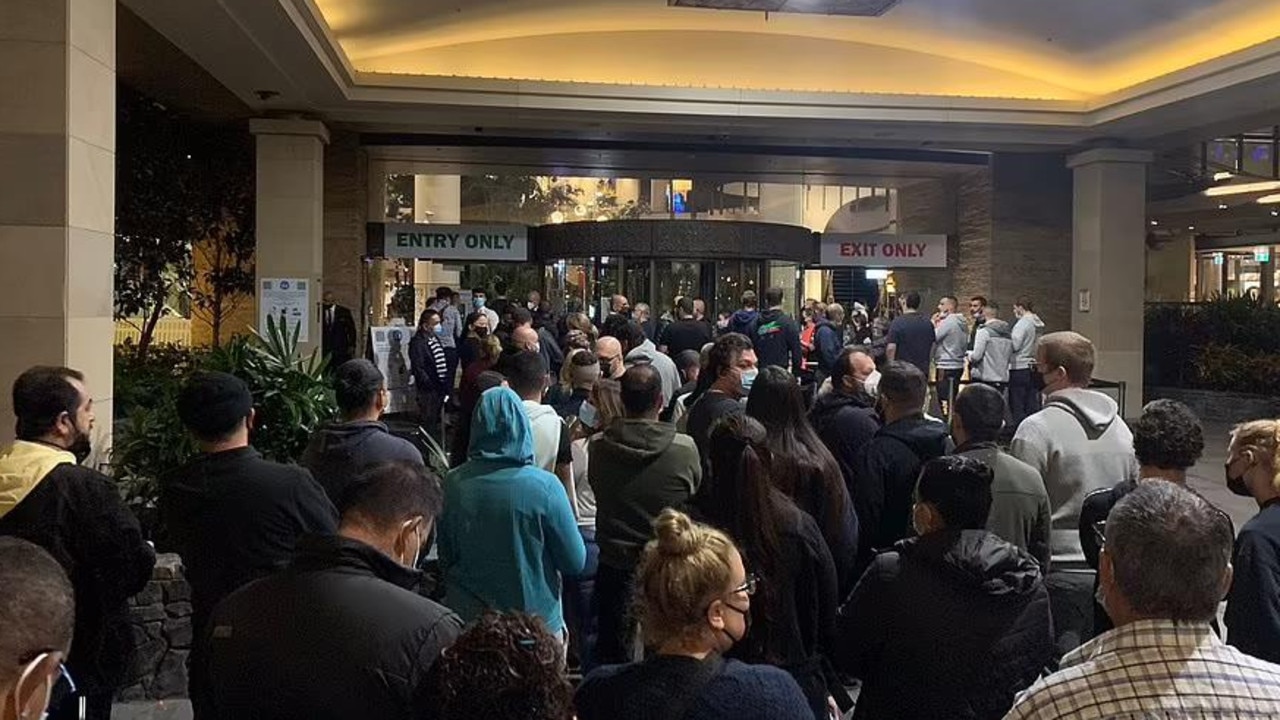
[
  {"x": 845, "y": 422},
  {"x": 949, "y": 625}
]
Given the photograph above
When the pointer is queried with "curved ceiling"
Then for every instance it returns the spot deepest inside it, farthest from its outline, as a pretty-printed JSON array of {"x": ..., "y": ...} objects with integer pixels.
[{"x": 1064, "y": 50}]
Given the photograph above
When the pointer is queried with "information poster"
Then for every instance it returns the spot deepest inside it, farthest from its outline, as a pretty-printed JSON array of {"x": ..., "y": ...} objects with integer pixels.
[
  {"x": 391, "y": 355},
  {"x": 286, "y": 300}
]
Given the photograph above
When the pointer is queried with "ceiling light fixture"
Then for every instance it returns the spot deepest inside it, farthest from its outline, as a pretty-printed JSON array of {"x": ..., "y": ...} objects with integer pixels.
[
  {"x": 1243, "y": 188},
  {"x": 1269, "y": 200},
  {"x": 1155, "y": 222},
  {"x": 1222, "y": 206},
  {"x": 1220, "y": 176}
]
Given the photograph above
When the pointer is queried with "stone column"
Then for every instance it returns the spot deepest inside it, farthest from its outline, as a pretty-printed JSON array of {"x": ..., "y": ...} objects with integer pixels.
[
  {"x": 57, "y": 195},
  {"x": 290, "y": 209},
  {"x": 1109, "y": 260}
]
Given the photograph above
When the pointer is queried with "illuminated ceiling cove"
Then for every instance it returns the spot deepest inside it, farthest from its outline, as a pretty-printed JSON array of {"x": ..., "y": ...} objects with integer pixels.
[{"x": 1068, "y": 50}]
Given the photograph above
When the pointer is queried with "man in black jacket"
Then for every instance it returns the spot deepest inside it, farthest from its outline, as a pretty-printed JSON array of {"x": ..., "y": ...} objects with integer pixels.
[
  {"x": 430, "y": 367},
  {"x": 232, "y": 516},
  {"x": 845, "y": 418},
  {"x": 886, "y": 468},
  {"x": 951, "y": 623},
  {"x": 343, "y": 632},
  {"x": 74, "y": 513},
  {"x": 337, "y": 331},
  {"x": 341, "y": 451},
  {"x": 776, "y": 336}
]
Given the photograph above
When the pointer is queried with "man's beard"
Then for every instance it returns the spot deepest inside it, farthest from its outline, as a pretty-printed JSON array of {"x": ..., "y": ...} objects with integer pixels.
[{"x": 81, "y": 447}]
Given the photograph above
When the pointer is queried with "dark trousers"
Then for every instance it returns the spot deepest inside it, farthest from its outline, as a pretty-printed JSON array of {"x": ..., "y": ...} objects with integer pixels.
[
  {"x": 578, "y": 614},
  {"x": 429, "y": 401},
  {"x": 451, "y": 367},
  {"x": 612, "y": 600},
  {"x": 948, "y": 384},
  {"x": 1024, "y": 395},
  {"x": 1071, "y": 605}
]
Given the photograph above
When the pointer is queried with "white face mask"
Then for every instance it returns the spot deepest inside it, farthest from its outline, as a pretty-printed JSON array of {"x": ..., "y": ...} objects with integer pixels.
[
  {"x": 872, "y": 384},
  {"x": 589, "y": 416}
]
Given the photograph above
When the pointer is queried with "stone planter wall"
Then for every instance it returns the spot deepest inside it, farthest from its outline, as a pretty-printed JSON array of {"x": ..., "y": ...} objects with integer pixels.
[
  {"x": 1225, "y": 407},
  {"x": 162, "y": 632}
]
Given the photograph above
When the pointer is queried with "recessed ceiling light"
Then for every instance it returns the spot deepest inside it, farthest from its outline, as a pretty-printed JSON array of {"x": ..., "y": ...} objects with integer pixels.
[
  {"x": 1220, "y": 176},
  {"x": 1222, "y": 206},
  {"x": 1155, "y": 222},
  {"x": 1275, "y": 213},
  {"x": 1191, "y": 227},
  {"x": 1243, "y": 188}
]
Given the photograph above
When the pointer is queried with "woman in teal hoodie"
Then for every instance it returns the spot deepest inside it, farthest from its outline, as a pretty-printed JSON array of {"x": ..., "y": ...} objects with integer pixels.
[{"x": 507, "y": 533}]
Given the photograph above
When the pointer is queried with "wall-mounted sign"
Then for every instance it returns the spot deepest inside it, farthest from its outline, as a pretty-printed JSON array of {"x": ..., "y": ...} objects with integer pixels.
[
  {"x": 285, "y": 300},
  {"x": 498, "y": 243},
  {"x": 883, "y": 251}
]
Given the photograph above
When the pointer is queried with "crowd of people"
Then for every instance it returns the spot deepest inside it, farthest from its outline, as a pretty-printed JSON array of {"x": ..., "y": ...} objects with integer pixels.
[{"x": 749, "y": 518}]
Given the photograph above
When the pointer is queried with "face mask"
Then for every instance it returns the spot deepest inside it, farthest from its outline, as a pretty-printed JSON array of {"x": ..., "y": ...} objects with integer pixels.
[
  {"x": 1236, "y": 484},
  {"x": 478, "y": 303},
  {"x": 532, "y": 306},
  {"x": 746, "y": 620},
  {"x": 438, "y": 329},
  {"x": 28, "y": 675},
  {"x": 417, "y": 545},
  {"x": 606, "y": 369},
  {"x": 749, "y": 379},
  {"x": 589, "y": 416},
  {"x": 872, "y": 384},
  {"x": 481, "y": 332},
  {"x": 537, "y": 347}
]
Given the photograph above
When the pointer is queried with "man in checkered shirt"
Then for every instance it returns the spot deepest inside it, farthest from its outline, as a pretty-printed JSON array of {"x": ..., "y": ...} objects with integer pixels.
[{"x": 1164, "y": 567}]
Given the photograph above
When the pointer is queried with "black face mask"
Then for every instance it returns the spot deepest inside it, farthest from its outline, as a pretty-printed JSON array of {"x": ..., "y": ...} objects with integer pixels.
[
  {"x": 746, "y": 619},
  {"x": 81, "y": 447},
  {"x": 606, "y": 369},
  {"x": 482, "y": 332},
  {"x": 1236, "y": 484}
]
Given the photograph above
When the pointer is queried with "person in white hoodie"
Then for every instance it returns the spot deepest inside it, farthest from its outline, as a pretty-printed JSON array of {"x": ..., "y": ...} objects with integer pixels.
[
  {"x": 952, "y": 334},
  {"x": 1079, "y": 443},
  {"x": 526, "y": 373},
  {"x": 1024, "y": 391}
]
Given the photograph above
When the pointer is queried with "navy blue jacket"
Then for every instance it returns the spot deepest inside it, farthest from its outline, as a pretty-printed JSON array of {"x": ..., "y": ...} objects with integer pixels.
[{"x": 776, "y": 338}]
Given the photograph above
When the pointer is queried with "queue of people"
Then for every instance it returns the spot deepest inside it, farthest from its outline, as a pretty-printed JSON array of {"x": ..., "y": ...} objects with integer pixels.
[{"x": 666, "y": 508}]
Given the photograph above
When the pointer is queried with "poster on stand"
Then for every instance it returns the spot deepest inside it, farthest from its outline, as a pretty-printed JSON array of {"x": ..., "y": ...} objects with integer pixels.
[
  {"x": 286, "y": 300},
  {"x": 391, "y": 355}
]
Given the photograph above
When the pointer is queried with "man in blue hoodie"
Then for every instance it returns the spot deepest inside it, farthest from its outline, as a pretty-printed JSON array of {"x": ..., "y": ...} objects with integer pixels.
[
  {"x": 742, "y": 320},
  {"x": 507, "y": 533}
]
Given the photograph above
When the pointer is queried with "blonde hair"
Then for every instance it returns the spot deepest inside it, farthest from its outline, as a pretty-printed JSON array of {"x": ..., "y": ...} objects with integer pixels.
[
  {"x": 606, "y": 396},
  {"x": 681, "y": 572},
  {"x": 1262, "y": 437}
]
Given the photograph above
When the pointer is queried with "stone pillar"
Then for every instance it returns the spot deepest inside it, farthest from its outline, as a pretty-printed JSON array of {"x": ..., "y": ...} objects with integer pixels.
[
  {"x": 1109, "y": 260},
  {"x": 290, "y": 209},
  {"x": 57, "y": 195},
  {"x": 346, "y": 187}
]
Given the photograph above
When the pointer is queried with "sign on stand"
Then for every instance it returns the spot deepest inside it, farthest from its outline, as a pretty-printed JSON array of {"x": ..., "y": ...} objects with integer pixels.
[
  {"x": 286, "y": 300},
  {"x": 391, "y": 355},
  {"x": 498, "y": 243},
  {"x": 883, "y": 251}
]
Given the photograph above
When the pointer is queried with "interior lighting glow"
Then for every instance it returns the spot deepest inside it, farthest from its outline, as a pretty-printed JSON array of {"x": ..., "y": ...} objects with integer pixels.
[
  {"x": 1155, "y": 223},
  {"x": 1269, "y": 200},
  {"x": 877, "y": 274},
  {"x": 1243, "y": 188},
  {"x": 1220, "y": 176}
]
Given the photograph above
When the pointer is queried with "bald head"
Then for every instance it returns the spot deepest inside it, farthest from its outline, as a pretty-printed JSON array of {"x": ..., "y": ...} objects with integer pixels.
[
  {"x": 851, "y": 371},
  {"x": 609, "y": 353},
  {"x": 525, "y": 338},
  {"x": 37, "y": 611}
]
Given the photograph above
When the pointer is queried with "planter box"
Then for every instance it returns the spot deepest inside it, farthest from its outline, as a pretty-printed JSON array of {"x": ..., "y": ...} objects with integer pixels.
[{"x": 1211, "y": 405}]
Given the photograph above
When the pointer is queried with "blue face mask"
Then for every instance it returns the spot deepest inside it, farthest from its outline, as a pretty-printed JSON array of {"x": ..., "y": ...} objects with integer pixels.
[
  {"x": 748, "y": 379},
  {"x": 438, "y": 329},
  {"x": 589, "y": 416},
  {"x": 478, "y": 302}
]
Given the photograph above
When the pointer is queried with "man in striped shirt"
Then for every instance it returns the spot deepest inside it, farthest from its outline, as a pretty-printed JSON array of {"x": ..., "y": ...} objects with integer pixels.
[{"x": 1164, "y": 566}]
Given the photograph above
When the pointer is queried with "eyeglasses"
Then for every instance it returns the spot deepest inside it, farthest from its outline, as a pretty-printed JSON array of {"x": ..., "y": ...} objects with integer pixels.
[{"x": 748, "y": 586}]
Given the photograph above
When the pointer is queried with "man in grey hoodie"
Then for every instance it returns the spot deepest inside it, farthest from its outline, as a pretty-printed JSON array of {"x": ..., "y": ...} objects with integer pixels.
[
  {"x": 952, "y": 334},
  {"x": 1079, "y": 443},
  {"x": 1024, "y": 390},
  {"x": 992, "y": 352},
  {"x": 640, "y": 350}
]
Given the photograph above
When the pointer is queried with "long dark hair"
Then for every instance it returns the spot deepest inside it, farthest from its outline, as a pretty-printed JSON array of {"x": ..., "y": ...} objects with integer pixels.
[
  {"x": 739, "y": 499},
  {"x": 803, "y": 468}
]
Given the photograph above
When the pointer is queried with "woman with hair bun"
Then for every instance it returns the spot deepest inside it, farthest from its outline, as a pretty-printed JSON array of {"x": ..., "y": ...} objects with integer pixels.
[{"x": 693, "y": 601}]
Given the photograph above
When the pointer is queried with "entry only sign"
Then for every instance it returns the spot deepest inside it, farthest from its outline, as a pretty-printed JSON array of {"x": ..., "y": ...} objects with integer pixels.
[
  {"x": 499, "y": 243},
  {"x": 883, "y": 251}
]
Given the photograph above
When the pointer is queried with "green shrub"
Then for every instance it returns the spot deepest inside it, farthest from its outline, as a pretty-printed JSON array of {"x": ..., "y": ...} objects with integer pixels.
[{"x": 1227, "y": 344}]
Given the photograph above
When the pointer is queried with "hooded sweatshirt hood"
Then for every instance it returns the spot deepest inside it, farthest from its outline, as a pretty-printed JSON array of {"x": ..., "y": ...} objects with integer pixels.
[
  {"x": 1093, "y": 410},
  {"x": 976, "y": 559},
  {"x": 500, "y": 430},
  {"x": 998, "y": 328},
  {"x": 927, "y": 437},
  {"x": 831, "y": 402},
  {"x": 347, "y": 440},
  {"x": 23, "y": 466},
  {"x": 638, "y": 441}
]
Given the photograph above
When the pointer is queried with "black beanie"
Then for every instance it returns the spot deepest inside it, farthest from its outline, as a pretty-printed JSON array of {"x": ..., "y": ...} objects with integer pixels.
[{"x": 213, "y": 403}]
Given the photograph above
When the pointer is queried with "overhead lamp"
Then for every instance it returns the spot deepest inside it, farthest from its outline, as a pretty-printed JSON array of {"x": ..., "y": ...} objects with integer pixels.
[
  {"x": 1243, "y": 188},
  {"x": 1269, "y": 199},
  {"x": 1222, "y": 206},
  {"x": 1155, "y": 223},
  {"x": 1220, "y": 176}
]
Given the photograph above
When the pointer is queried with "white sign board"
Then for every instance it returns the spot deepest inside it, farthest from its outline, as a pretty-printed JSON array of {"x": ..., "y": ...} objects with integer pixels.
[
  {"x": 497, "y": 243},
  {"x": 286, "y": 300},
  {"x": 883, "y": 251},
  {"x": 391, "y": 355}
]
